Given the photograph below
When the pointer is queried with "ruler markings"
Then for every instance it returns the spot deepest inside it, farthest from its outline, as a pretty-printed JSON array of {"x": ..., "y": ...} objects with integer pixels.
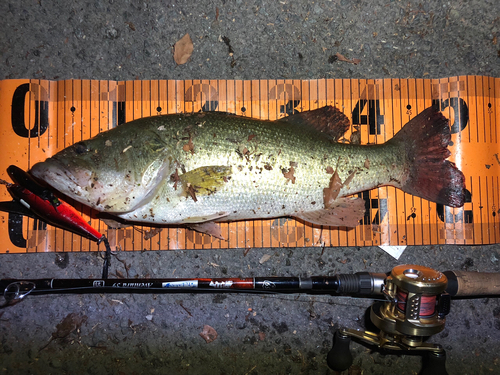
[
  {"x": 496, "y": 210},
  {"x": 70, "y": 105}
]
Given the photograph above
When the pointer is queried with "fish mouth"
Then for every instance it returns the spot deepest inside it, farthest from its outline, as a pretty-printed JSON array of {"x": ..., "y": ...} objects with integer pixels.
[{"x": 57, "y": 174}]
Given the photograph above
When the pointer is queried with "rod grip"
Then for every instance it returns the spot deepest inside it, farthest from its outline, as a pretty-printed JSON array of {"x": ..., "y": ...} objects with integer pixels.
[{"x": 472, "y": 284}]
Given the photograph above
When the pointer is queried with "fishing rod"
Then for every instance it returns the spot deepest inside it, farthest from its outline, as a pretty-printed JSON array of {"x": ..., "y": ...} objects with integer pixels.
[{"x": 416, "y": 301}]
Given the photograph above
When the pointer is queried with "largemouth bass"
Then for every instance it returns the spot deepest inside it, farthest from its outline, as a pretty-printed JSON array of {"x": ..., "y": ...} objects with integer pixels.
[{"x": 207, "y": 167}]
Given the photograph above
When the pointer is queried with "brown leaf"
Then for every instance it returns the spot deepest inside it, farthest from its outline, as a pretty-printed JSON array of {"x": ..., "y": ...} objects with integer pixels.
[
  {"x": 343, "y": 58},
  {"x": 289, "y": 175},
  {"x": 189, "y": 147},
  {"x": 131, "y": 25},
  {"x": 119, "y": 274},
  {"x": 192, "y": 192},
  {"x": 329, "y": 170},
  {"x": 209, "y": 334},
  {"x": 151, "y": 233},
  {"x": 349, "y": 179},
  {"x": 69, "y": 324},
  {"x": 367, "y": 163},
  {"x": 355, "y": 138},
  {"x": 265, "y": 258},
  {"x": 183, "y": 49},
  {"x": 243, "y": 150},
  {"x": 175, "y": 178},
  {"x": 332, "y": 191}
]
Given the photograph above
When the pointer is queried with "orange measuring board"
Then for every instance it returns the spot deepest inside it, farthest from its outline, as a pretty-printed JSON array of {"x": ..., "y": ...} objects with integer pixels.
[{"x": 39, "y": 118}]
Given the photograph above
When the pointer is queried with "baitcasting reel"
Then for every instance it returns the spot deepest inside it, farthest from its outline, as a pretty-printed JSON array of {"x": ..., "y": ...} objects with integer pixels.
[{"x": 416, "y": 308}]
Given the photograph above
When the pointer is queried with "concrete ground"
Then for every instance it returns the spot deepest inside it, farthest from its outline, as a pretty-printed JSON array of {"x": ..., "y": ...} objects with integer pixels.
[{"x": 270, "y": 334}]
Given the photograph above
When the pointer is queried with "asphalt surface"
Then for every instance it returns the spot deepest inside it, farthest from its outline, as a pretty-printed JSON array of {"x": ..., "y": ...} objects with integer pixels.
[{"x": 149, "y": 334}]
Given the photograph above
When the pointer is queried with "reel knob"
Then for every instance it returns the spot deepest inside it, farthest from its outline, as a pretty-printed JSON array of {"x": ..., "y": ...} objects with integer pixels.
[
  {"x": 434, "y": 364},
  {"x": 339, "y": 358}
]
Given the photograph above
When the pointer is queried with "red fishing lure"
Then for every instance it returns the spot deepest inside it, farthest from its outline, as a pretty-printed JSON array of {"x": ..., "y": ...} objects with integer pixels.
[{"x": 61, "y": 215}]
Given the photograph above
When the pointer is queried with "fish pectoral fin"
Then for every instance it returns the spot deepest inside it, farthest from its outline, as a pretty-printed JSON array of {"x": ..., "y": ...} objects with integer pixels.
[
  {"x": 208, "y": 227},
  {"x": 204, "y": 180},
  {"x": 344, "y": 212},
  {"x": 205, "y": 218},
  {"x": 328, "y": 120}
]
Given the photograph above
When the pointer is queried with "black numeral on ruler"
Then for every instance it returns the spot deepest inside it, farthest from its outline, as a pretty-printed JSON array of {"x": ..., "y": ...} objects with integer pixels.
[{"x": 373, "y": 119}]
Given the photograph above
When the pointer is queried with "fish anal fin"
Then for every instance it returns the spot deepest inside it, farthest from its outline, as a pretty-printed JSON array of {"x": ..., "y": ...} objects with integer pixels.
[
  {"x": 343, "y": 212},
  {"x": 114, "y": 224},
  {"x": 209, "y": 228},
  {"x": 329, "y": 120},
  {"x": 204, "y": 180}
]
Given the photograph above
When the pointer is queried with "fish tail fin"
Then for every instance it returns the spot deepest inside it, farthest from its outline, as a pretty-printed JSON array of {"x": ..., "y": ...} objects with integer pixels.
[{"x": 425, "y": 141}]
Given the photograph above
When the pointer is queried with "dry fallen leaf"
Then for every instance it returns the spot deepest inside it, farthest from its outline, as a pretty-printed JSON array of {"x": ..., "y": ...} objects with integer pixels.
[
  {"x": 343, "y": 58},
  {"x": 332, "y": 191},
  {"x": 148, "y": 234},
  {"x": 265, "y": 258},
  {"x": 355, "y": 138},
  {"x": 183, "y": 49},
  {"x": 289, "y": 175},
  {"x": 209, "y": 334},
  {"x": 189, "y": 147},
  {"x": 175, "y": 178},
  {"x": 69, "y": 324},
  {"x": 131, "y": 25},
  {"x": 192, "y": 191}
]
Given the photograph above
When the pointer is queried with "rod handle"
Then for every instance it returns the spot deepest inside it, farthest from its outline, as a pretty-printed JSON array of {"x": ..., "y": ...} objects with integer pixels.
[{"x": 472, "y": 284}]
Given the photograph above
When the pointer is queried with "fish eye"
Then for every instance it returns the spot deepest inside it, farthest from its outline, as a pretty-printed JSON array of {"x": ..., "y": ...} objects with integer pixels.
[{"x": 81, "y": 148}]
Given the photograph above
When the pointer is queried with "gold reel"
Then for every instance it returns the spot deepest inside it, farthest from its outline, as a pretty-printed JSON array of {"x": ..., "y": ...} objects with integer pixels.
[{"x": 416, "y": 308}]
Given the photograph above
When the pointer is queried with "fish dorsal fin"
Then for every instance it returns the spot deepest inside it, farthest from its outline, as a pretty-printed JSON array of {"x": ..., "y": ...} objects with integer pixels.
[{"x": 328, "y": 120}]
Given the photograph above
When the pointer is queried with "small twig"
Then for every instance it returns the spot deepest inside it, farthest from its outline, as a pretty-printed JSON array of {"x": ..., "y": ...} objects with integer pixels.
[
  {"x": 253, "y": 368},
  {"x": 185, "y": 309}
]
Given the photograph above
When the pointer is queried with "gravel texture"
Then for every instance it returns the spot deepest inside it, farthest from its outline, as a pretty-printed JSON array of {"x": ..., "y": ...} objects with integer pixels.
[{"x": 159, "y": 334}]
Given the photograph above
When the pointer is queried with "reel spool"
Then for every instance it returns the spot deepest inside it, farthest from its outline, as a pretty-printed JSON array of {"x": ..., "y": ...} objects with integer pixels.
[
  {"x": 416, "y": 305},
  {"x": 416, "y": 308}
]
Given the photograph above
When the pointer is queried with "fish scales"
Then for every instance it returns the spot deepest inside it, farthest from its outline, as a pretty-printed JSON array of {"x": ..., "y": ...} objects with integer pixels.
[
  {"x": 258, "y": 186},
  {"x": 193, "y": 168}
]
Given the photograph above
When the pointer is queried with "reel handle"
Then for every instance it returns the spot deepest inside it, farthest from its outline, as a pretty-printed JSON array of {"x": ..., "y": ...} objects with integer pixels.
[
  {"x": 434, "y": 364},
  {"x": 472, "y": 284},
  {"x": 339, "y": 357}
]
